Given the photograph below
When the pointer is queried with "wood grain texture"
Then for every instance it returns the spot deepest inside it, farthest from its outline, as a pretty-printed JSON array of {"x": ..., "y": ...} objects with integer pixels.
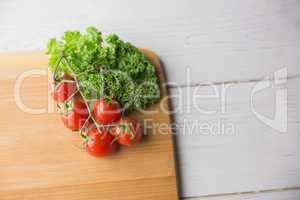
[{"x": 40, "y": 159}]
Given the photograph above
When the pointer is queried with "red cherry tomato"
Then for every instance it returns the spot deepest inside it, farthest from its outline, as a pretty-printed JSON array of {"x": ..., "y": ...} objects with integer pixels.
[
  {"x": 74, "y": 121},
  {"x": 64, "y": 90},
  {"x": 79, "y": 105},
  {"x": 106, "y": 111},
  {"x": 127, "y": 132},
  {"x": 100, "y": 143},
  {"x": 77, "y": 115}
]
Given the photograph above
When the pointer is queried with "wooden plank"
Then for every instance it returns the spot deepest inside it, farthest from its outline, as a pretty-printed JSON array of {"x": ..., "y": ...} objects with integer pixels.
[
  {"x": 218, "y": 40},
  {"x": 273, "y": 195},
  {"x": 251, "y": 156},
  {"x": 40, "y": 159},
  {"x": 158, "y": 188}
]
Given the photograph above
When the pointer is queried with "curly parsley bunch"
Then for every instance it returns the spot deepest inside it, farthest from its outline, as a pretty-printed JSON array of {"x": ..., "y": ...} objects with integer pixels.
[{"x": 105, "y": 67}]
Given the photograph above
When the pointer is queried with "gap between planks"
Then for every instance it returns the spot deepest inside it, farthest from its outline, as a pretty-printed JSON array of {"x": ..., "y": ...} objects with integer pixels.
[
  {"x": 249, "y": 195},
  {"x": 228, "y": 82}
]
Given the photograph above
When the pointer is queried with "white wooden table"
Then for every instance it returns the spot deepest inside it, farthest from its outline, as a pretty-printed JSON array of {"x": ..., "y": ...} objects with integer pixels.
[{"x": 208, "y": 47}]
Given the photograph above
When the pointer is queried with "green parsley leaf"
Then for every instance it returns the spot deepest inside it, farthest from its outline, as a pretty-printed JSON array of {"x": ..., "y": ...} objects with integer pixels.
[{"x": 105, "y": 67}]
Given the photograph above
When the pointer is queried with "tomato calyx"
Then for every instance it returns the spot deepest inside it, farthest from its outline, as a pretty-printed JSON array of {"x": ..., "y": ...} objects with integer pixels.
[
  {"x": 100, "y": 142},
  {"x": 65, "y": 89},
  {"x": 126, "y": 129},
  {"x": 127, "y": 132},
  {"x": 65, "y": 108},
  {"x": 84, "y": 137},
  {"x": 106, "y": 111}
]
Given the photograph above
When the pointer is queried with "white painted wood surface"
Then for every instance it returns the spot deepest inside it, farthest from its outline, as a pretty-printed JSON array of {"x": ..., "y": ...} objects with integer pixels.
[
  {"x": 227, "y": 41},
  {"x": 253, "y": 157},
  {"x": 275, "y": 195}
]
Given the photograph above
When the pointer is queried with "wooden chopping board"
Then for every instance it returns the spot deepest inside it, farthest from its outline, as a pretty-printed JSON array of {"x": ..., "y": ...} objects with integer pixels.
[{"x": 41, "y": 159}]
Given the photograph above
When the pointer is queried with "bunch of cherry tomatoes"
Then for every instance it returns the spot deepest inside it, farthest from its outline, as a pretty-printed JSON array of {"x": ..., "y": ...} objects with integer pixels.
[{"x": 99, "y": 123}]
